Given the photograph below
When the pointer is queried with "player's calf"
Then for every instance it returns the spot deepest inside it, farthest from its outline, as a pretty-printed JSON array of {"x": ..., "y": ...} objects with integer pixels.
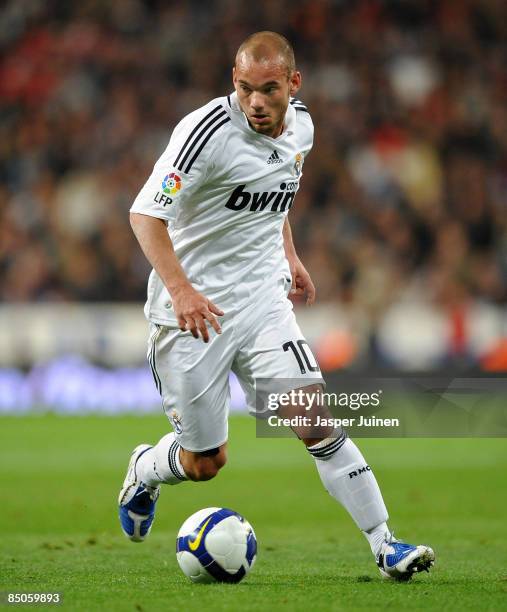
[{"x": 204, "y": 465}]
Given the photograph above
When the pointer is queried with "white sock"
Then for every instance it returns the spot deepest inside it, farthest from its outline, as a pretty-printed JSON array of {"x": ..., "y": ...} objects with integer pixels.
[
  {"x": 349, "y": 479},
  {"x": 377, "y": 536},
  {"x": 161, "y": 464}
]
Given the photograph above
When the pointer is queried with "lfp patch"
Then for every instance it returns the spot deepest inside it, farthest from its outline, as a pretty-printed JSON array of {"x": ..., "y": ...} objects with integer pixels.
[{"x": 171, "y": 184}]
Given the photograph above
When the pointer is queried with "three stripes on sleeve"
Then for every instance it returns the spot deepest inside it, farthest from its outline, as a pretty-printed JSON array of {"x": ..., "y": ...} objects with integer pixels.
[{"x": 199, "y": 136}]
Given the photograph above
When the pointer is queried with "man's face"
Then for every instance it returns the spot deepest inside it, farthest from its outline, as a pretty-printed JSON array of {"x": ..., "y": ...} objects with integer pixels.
[{"x": 263, "y": 90}]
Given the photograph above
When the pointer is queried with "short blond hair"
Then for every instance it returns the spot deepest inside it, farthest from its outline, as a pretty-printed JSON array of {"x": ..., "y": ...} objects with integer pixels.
[{"x": 261, "y": 47}]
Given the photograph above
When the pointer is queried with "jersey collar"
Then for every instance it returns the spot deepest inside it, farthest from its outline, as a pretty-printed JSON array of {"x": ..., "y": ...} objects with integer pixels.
[{"x": 239, "y": 118}]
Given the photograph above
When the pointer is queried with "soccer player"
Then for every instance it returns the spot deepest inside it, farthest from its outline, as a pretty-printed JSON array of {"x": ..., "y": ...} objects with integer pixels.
[{"x": 212, "y": 219}]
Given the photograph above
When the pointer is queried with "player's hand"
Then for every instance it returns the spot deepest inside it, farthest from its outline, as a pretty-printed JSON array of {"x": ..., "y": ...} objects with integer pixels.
[
  {"x": 301, "y": 281},
  {"x": 192, "y": 310}
]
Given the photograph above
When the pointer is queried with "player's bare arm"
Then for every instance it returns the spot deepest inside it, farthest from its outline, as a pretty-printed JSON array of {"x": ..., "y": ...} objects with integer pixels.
[
  {"x": 301, "y": 280},
  {"x": 191, "y": 308}
]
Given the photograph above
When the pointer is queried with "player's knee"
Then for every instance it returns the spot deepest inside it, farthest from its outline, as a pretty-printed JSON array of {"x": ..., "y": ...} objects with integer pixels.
[{"x": 205, "y": 466}]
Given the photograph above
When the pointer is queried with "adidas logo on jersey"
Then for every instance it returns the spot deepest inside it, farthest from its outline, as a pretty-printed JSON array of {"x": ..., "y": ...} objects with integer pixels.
[
  {"x": 274, "y": 201},
  {"x": 274, "y": 158}
]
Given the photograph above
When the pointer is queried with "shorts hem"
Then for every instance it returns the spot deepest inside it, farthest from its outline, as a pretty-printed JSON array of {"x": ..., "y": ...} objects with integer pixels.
[{"x": 201, "y": 450}]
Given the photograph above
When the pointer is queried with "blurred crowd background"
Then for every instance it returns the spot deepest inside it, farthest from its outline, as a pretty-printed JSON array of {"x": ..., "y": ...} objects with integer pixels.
[{"x": 404, "y": 195}]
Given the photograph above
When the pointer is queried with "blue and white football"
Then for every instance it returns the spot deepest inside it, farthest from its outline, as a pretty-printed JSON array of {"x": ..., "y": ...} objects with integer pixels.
[{"x": 216, "y": 545}]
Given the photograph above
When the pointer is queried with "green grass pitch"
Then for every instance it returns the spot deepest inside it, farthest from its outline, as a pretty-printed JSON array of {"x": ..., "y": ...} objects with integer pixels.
[{"x": 59, "y": 479}]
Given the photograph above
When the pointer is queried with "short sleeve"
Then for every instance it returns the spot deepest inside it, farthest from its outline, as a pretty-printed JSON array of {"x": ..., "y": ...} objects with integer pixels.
[{"x": 183, "y": 166}]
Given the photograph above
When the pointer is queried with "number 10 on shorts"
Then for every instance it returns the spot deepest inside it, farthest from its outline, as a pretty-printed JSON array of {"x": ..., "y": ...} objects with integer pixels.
[{"x": 303, "y": 355}]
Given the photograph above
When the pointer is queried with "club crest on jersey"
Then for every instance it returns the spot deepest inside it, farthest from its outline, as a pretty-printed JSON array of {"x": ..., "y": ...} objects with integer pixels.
[
  {"x": 298, "y": 165},
  {"x": 176, "y": 421},
  {"x": 171, "y": 185},
  {"x": 273, "y": 201}
]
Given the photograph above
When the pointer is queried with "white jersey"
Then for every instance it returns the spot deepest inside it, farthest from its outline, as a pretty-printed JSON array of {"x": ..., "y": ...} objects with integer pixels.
[{"x": 225, "y": 191}]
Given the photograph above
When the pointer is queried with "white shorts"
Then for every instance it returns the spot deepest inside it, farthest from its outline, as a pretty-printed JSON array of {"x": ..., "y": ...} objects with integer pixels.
[{"x": 263, "y": 342}]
